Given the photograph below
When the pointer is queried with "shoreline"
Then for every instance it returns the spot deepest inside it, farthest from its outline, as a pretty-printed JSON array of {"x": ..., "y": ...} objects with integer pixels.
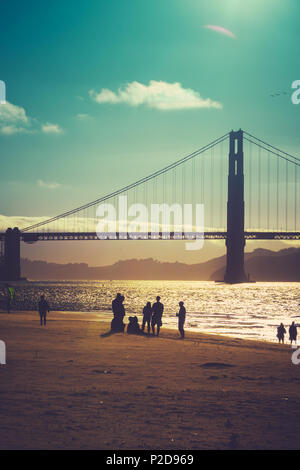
[
  {"x": 248, "y": 311},
  {"x": 99, "y": 316},
  {"x": 67, "y": 387}
]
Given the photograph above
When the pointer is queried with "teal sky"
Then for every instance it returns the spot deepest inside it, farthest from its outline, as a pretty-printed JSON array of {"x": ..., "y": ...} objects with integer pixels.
[{"x": 54, "y": 53}]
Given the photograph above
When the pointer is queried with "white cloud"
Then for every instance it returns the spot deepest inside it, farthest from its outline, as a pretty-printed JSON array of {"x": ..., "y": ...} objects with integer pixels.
[
  {"x": 13, "y": 119},
  {"x": 12, "y": 113},
  {"x": 11, "y": 129},
  {"x": 220, "y": 30},
  {"x": 19, "y": 221},
  {"x": 158, "y": 95},
  {"x": 79, "y": 223},
  {"x": 50, "y": 128},
  {"x": 83, "y": 117},
  {"x": 43, "y": 184}
]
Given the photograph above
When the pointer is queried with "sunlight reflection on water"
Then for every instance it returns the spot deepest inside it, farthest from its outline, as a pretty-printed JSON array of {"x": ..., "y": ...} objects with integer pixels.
[{"x": 242, "y": 310}]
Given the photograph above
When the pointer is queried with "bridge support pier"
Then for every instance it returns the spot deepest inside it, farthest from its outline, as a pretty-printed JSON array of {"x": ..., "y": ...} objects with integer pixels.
[
  {"x": 11, "y": 266},
  {"x": 235, "y": 241}
]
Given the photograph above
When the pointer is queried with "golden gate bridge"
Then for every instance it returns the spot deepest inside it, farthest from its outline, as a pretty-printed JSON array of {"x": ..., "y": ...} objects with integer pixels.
[{"x": 253, "y": 194}]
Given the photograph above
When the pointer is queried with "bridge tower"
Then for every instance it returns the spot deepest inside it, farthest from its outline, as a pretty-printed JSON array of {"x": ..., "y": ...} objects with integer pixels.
[
  {"x": 12, "y": 266},
  {"x": 235, "y": 240}
]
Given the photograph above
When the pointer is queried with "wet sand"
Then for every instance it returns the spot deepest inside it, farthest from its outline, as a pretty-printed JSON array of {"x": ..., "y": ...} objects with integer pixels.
[{"x": 66, "y": 387}]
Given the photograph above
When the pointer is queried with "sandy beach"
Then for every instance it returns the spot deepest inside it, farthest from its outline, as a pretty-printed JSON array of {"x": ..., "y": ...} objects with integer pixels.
[{"x": 66, "y": 387}]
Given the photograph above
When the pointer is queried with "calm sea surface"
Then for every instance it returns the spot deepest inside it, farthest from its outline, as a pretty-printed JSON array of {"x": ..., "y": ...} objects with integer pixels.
[{"x": 250, "y": 311}]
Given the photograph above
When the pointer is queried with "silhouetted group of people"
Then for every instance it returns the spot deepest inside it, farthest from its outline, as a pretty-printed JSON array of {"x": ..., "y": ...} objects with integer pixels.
[
  {"x": 152, "y": 317},
  {"x": 281, "y": 331}
]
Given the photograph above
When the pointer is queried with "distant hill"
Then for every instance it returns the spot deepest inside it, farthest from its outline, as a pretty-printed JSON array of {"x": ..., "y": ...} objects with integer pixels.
[
  {"x": 263, "y": 265},
  {"x": 267, "y": 265}
]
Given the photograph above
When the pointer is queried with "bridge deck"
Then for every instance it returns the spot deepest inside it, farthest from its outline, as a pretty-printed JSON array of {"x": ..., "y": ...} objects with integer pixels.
[{"x": 30, "y": 237}]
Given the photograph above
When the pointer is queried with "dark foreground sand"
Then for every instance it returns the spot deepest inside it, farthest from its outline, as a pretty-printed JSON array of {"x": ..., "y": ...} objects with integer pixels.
[{"x": 65, "y": 387}]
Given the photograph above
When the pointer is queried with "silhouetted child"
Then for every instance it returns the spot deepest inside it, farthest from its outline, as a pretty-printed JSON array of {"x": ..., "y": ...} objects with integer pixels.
[
  {"x": 281, "y": 332},
  {"x": 181, "y": 319},
  {"x": 43, "y": 309},
  {"x": 157, "y": 309},
  {"x": 293, "y": 332},
  {"x": 147, "y": 313},
  {"x": 133, "y": 327}
]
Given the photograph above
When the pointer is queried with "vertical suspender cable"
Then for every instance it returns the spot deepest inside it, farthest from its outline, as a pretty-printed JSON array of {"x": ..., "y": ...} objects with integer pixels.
[
  {"x": 250, "y": 186},
  {"x": 211, "y": 208},
  {"x": 277, "y": 195},
  {"x": 295, "y": 205},
  {"x": 221, "y": 186},
  {"x": 259, "y": 186},
  {"x": 183, "y": 184},
  {"x": 194, "y": 181},
  {"x": 286, "y": 195},
  {"x": 203, "y": 178},
  {"x": 268, "y": 197}
]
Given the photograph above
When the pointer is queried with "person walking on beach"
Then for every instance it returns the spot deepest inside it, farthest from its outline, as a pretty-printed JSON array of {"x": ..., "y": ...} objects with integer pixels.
[
  {"x": 293, "y": 333},
  {"x": 157, "y": 310},
  {"x": 181, "y": 319},
  {"x": 147, "y": 313},
  {"x": 43, "y": 309},
  {"x": 281, "y": 332},
  {"x": 10, "y": 295}
]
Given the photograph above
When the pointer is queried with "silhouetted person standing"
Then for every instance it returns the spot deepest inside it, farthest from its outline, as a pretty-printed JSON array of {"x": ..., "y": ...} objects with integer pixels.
[
  {"x": 181, "y": 319},
  {"x": 116, "y": 305},
  {"x": 157, "y": 310},
  {"x": 122, "y": 308},
  {"x": 43, "y": 309},
  {"x": 10, "y": 295},
  {"x": 281, "y": 332},
  {"x": 293, "y": 332},
  {"x": 118, "y": 309},
  {"x": 147, "y": 313}
]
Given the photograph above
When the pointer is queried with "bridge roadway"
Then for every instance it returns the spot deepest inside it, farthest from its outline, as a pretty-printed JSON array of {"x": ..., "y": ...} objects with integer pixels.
[{"x": 31, "y": 237}]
